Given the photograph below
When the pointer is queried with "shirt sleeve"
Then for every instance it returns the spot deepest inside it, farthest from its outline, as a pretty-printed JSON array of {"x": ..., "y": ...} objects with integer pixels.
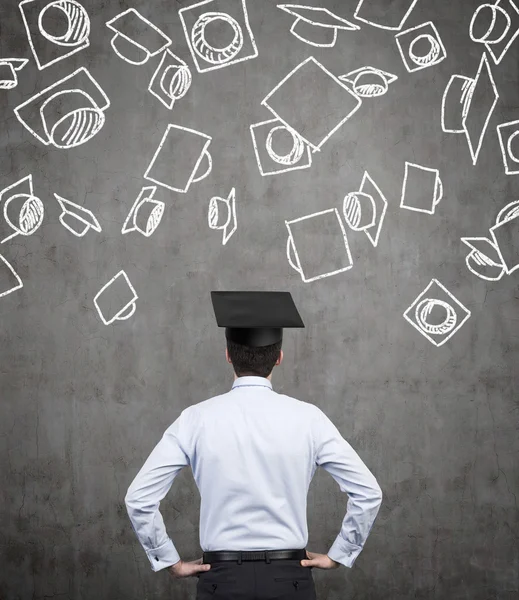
[
  {"x": 338, "y": 458},
  {"x": 149, "y": 487}
]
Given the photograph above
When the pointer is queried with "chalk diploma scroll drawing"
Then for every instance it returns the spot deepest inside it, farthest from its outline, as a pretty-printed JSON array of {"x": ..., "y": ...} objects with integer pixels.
[
  {"x": 228, "y": 15},
  {"x": 43, "y": 18},
  {"x": 437, "y": 298}
]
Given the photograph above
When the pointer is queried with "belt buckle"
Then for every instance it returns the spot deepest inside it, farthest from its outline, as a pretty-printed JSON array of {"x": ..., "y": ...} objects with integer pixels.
[{"x": 267, "y": 557}]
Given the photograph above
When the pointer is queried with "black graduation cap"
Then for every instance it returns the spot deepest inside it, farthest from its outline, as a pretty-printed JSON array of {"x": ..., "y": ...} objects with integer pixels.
[{"x": 255, "y": 318}]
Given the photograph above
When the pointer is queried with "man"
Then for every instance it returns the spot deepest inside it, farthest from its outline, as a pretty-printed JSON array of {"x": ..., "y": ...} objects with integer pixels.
[{"x": 253, "y": 453}]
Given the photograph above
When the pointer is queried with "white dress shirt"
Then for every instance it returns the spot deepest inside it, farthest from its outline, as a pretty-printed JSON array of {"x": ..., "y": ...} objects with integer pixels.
[{"x": 253, "y": 453}]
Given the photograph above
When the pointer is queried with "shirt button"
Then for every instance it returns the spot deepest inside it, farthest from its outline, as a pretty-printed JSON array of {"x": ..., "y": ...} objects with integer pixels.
[{"x": 157, "y": 558}]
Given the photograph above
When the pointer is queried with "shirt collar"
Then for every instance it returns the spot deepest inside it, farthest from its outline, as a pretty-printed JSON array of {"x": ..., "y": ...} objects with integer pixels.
[{"x": 251, "y": 380}]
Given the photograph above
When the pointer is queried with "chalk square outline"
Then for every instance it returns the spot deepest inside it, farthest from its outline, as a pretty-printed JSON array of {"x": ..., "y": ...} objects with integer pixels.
[
  {"x": 55, "y": 85},
  {"x": 422, "y": 168},
  {"x": 290, "y": 242},
  {"x": 415, "y": 67},
  {"x": 420, "y": 297},
  {"x": 336, "y": 79},
  {"x": 288, "y": 168},
  {"x": 225, "y": 64},
  {"x": 489, "y": 47},
  {"x": 78, "y": 48},
  {"x": 374, "y": 239},
  {"x": 193, "y": 173},
  {"x": 504, "y": 151},
  {"x": 404, "y": 18}
]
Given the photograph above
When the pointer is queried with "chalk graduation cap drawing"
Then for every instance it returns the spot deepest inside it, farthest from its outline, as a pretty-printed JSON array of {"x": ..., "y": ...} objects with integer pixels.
[{"x": 316, "y": 26}]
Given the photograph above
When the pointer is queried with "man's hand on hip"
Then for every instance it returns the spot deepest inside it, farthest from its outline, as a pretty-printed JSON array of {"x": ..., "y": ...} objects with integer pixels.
[{"x": 187, "y": 569}]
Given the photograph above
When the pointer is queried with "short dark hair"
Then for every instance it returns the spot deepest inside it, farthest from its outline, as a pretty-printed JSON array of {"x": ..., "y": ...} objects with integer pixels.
[{"x": 253, "y": 361}]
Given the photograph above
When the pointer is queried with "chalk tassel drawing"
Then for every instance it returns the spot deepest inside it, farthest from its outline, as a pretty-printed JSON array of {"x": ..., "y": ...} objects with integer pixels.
[
  {"x": 133, "y": 32},
  {"x": 145, "y": 214},
  {"x": 436, "y": 297},
  {"x": 239, "y": 45},
  {"x": 47, "y": 47},
  {"x": 9, "y": 68},
  {"x": 316, "y": 26},
  {"x": 227, "y": 207},
  {"x": 77, "y": 219},
  {"x": 457, "y": 115},
  {"x": 23, "y": 211},
  {"x": 496, "y": 27}
]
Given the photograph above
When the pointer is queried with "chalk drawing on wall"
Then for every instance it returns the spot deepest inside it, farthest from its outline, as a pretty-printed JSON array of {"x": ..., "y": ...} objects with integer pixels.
[
  {"x": 376, "y": 13},
  {"x": 136, "y": 39},
  {"x": 496, "y": 26},
  {"x": 468, "y": 104},
  {"x": 9, "y": 279},
  {"x": 116, "y": 300},
  {"x": 436, "y": 313},
  {"x": 483, "y": 259},
  {"x": 422, "y": 188},
  {"x": 145, "y": 214},
  {"x": 266, "y": 136},
  {"x": 234, "y": 45},
  {"x": 68, "y": 113},
  {"x": 23, "y": 211},
  {"x": 9, "y": 68},
  {"x": 56, "y": 29},
  {"x": 293, "y": 102},
  {"x": 369, "y": 82},
  {"x": 77, "y": 219},
  {"x": 178, "y": 159},
  {"x": 508, "y": 134},
  {"x": 314, "y": 261},
  {"x": 316, "y": 26},
  {"x": 221, "y": 215},
  {"x": 420, "y": 47},
  {"x": 171, "y": 80},
  {"x": 505, "y": 234},
  {"x": 365, "y": 209}
]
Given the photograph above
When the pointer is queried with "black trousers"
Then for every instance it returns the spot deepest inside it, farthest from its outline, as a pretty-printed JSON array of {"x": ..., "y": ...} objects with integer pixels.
[{"x": 279, "y": 579}]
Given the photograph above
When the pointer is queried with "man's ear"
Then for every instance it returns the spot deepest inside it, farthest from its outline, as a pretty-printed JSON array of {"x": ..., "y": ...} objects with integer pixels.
[
  {"x": 280, "y": 359},
  {"x": 228, "y": 358}
]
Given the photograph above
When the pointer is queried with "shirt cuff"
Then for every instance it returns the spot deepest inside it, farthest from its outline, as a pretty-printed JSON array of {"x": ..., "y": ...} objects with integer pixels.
[
  {"x": 343, "y": 552},
  {"x": 163, "y": 556}
]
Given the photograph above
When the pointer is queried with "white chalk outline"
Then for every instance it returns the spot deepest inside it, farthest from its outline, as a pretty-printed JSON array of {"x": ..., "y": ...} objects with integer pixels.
[
  {"x": 490, "y": 46},
  {"x": 467, "y": 95},
  {"x": 146, "y": 195},
  {"x": 434, "y": 38},
  {"x": 506, "y": 214},
  {"x": 359, "y": 6},
  {"x": 291, "y": 245},
  {"x": 480, "y": 258},
  {"x": 264, "y": 102},
  {"x": 118, "y": 316},
  {"x": 192, "y": 178},
  {"x": 17, "y": 277},
  {"x": 214, "y": 15},
  {"x": 89, "y": 219},
  {"x": 230, "y": 201},
  {"x": 56, "y": 41},
  {"x": 77, "y": 124},
  {"x": 29, "y": 193},
  {"x": 422, "y": 297},
  {"x": 156, "y": 87},
  {"x": 506, "y": 151},
  {"x": 374, "y": 239},
  {"x": 270, "y": 152},
  {"x": 388, "y": 79},
  {"x": 111, "y": 25},
  {"x": 16, "y": 64},
  {"x": 437, "y": 188},
  {"x": 346, "y": 24}
]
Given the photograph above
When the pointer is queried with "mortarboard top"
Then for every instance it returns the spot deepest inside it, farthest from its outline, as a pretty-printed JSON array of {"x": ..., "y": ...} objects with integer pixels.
[{"x": 255, "y": 318}]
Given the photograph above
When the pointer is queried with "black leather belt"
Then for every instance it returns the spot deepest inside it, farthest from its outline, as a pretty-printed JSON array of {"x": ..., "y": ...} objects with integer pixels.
[{"x": 266, "y": 555}]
